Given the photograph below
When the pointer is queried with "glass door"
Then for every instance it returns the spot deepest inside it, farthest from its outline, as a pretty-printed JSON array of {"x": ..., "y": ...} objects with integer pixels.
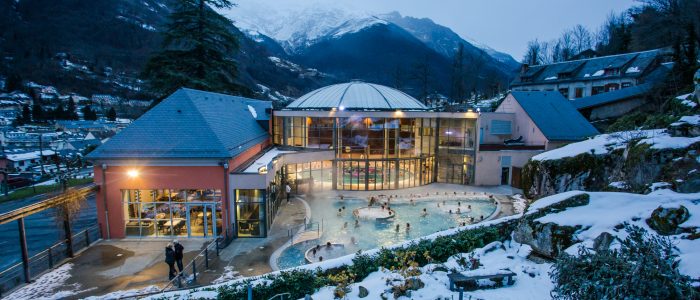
[{"x": 202, "y": 220}]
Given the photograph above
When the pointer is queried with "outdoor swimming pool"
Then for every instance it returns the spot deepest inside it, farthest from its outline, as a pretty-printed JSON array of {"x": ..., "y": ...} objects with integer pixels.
[{"x": 374, "y": 233}]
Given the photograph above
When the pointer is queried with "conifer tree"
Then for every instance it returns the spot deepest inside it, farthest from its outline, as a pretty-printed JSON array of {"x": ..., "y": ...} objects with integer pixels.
[
  {"x": 197, "y": 51},
  {"x": 112, "y": 114}
]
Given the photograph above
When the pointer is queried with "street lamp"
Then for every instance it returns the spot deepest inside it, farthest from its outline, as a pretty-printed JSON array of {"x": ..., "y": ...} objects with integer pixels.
[{"x": 132, "y": 173}]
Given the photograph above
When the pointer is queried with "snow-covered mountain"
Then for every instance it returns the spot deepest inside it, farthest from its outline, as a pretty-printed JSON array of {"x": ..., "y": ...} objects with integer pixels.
[
  {"x": 297, "y": 29},
  {"x": 346, "y": 42}
]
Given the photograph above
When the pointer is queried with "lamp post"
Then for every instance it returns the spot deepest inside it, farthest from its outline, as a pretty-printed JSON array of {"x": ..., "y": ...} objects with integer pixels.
[{"x": 104, "y": 198}]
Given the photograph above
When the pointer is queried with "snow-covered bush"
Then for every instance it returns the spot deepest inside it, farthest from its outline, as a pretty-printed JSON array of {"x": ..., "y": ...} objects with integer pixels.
[{"x": 644, "y": 267}]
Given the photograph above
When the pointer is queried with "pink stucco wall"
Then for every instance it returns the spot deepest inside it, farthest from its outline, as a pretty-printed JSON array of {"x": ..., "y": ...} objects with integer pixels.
[
  {"x": 523, "y": 125},
  {"x": 162, "y": 177}
]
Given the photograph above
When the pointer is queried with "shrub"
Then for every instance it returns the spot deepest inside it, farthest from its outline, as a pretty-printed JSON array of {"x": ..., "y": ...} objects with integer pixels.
[{"x": 645, "y": 267}]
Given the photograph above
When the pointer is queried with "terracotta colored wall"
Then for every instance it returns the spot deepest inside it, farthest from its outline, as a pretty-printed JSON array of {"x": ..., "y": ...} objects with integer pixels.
[
  {"x": 162, "y": 177},
  {"x": 247, "y": 155},
  {"x": 150, "y": 177}
]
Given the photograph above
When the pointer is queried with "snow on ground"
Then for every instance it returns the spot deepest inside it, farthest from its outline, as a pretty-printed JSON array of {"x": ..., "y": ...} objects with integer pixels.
[
  {"x": 229, "y": 274},
  {"x": 687, "y": 100},
  {"x": 51, "y": 285},
  {"x": 619, "y": 185},
  {"x": 519, "y": 203},
  {"x": 604, "y": 143},
  {"x": 127, "y": 293},
  {"x": 608, "y": 209},
  {"x": 692, "y": 120},
  {"x": 659, "y": 186},
  {"x": 604, "y": 212}
]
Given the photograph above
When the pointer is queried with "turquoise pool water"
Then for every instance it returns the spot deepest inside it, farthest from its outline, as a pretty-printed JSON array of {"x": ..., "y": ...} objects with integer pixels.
[{"x": 374, "y": 234}]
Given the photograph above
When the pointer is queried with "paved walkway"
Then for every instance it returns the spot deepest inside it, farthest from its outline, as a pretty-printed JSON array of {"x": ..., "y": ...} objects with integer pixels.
[{"x": 132, "y": 264}]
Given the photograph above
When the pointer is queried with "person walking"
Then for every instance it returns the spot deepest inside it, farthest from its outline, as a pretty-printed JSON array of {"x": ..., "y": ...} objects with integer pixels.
[
  {"x": 179, "y": 254},
  {"x": 170, "y": 260},
  {"x": 288, "y": 189}
]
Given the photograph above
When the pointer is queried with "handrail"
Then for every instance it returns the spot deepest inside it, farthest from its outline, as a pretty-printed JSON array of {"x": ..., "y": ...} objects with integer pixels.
[
  {"x": 281, "y": 296},
  {"x": 193, "y": 264},
  {"x": 41, "y": 205}
]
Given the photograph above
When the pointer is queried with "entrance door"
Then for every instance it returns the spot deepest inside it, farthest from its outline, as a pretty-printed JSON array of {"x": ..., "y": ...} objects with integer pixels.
[
  {"x": 201, "y": 220},
  {"x": 505, "y": 174},
  {"x": 515, "y": 182}
]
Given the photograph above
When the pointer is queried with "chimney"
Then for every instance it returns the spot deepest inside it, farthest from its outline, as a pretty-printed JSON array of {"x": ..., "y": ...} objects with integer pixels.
[{"x": 524, "y": 68}]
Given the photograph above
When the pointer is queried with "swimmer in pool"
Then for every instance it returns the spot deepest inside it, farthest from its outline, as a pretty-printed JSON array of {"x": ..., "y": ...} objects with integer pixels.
[
  {"x": 397, "y": 228},
  {"x": 340, "y": 212},
  {"x": 424, "y": 213},
  {"x": 458, "y": 211},
  {"x": 450, "y": 211},
  {"x": 357, "y": 223},
  {"x": 408, "y": 227},
  {"x": 345, "y": 225}
]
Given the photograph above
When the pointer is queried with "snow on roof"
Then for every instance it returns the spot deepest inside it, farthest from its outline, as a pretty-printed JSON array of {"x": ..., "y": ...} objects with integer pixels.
[
  {"x": 29, "y": 155},
  {"x": 264, "y": 160},
  {"x": 252, "y": 111}
]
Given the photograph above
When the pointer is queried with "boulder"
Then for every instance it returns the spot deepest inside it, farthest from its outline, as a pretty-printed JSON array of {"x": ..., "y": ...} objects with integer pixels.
[
  {"x": 545, "y": 239},
  {"x": 666, "y": 220},
  {"x": 363, "y": 292},
  {"x": 603, "y": 241}
]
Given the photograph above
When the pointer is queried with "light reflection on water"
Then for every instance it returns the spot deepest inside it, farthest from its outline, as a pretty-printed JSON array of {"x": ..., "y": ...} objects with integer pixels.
[{"x": 374, "y": 234}]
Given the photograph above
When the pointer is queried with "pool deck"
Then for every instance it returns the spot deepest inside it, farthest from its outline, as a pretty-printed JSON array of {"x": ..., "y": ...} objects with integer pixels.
[{"x": 136, "y": 264}]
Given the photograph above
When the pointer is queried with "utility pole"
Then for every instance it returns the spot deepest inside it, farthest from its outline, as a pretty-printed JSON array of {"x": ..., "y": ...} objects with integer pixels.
[{"x": 41, "y": 154}]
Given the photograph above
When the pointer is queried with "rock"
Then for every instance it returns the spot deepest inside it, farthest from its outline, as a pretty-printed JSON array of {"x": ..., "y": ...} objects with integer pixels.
[
  {"x": 363, "y": 292},
  {"x": 547, "y": 239},
  {"x": 666, "y": 221},
  {"x": 603, "y": 241}
]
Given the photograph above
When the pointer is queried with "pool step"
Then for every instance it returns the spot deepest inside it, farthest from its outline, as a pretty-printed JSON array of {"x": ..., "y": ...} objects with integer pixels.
[{"x": 304, "y": 236}]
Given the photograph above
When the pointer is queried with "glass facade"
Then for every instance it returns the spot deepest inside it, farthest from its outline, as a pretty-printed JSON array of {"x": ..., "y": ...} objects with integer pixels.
[
  {"x": 172, "y": 212},
  {"x": 250, "y": 213},
  {"x": 379, "y": 153},
  {"x": 456, "y": 151}
]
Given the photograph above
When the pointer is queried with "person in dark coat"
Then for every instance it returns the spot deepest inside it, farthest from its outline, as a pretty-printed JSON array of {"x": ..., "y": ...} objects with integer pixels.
[
  {"x": 170, "y": 260},
  {"x": 178, "y": 255}
]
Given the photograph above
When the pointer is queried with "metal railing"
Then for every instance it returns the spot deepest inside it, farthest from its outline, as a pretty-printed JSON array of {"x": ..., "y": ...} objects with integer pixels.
[
  {"x": 13, "y": 275},
  {"x": 201, "y": 262},
  {"x": 297, "y": 231}
]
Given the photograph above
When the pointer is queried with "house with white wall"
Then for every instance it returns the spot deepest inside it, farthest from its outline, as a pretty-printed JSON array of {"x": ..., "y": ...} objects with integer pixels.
[{"x": 522, "y": 126}]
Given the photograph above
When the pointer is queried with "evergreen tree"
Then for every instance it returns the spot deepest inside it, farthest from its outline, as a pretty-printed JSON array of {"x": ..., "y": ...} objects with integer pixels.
[
  {"x": 71, "y": 113},
  {"x": 112, "y": 114},
  {"x": 59, "y": 113},
  {"x": 198, "y": 48},
  {"x": 88, "y": 113},
  {"x": 13, "y": 83},
  {"x": 458, "y": 86},
  {"x": 26, "y": 114},
  {"x": 38, "y": 112}
]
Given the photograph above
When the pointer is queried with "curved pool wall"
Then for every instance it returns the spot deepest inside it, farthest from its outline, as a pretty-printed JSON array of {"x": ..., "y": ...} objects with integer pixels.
[{"x": 375, "y": 234}]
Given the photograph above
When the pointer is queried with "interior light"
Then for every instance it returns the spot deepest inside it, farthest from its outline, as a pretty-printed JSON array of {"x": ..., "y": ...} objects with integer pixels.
[{"x": 341, "y": 107}]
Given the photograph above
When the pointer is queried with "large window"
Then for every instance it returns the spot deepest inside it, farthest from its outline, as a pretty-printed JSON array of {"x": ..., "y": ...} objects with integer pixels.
[
  {"x": 250, "y": 213},
  {"x": 172, "y": 212}
]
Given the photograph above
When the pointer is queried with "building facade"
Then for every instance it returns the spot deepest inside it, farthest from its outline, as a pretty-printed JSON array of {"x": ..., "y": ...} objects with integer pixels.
[
  {"x": 204, "y": 164},
  {"x": 596, "y": 75}
]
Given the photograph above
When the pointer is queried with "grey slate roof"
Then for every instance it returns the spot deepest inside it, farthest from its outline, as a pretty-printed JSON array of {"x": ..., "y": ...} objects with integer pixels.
[
  {"x": 631, "y": 65},
  {"x": 356, "y": 95},
  {"x": 555, "y": 116},
  {"x": 187, "y": 124},
  {"x": 613, "y": 96}
]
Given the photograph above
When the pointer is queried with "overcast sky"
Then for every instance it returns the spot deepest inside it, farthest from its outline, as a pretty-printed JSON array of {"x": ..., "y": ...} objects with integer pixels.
[{"x": 505, "y": 25}]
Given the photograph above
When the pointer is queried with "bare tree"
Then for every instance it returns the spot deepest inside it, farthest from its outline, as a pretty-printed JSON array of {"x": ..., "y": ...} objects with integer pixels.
[
  {"x": 581, "y": 38},
  {"x": 532, "y": 56}
]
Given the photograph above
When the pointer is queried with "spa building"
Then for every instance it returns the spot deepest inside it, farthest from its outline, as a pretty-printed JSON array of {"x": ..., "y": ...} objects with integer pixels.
[{"x": 203, "y": 164}]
